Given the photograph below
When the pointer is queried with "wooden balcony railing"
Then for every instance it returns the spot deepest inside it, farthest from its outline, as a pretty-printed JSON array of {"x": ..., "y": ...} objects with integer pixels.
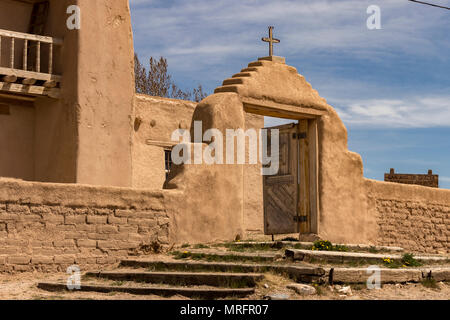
[{"x": 30, "y": 74}]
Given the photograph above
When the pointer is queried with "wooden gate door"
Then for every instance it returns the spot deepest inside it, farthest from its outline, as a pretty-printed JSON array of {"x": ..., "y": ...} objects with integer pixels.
[{"x": 281, "y": 190}]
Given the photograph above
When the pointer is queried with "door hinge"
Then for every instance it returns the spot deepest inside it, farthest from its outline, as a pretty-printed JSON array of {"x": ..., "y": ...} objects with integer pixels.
[
  {"x": 299, "y": 135},
  {"x": 301, "y": 218}
]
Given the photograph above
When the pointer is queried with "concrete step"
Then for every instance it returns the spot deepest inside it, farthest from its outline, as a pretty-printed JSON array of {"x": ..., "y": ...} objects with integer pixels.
[
  {"x": 215, "y": 255},
  {"x": 233, "y": 280},
  {"x": 341, "y": 257},
  {"x": 200, "y": 293},
  {"x": 295, "y": 272},
  {"x": 360, "y": 275}
]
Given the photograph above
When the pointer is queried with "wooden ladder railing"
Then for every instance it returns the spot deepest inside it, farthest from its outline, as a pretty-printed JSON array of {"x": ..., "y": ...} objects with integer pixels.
[{"x": 30, "y": 77}]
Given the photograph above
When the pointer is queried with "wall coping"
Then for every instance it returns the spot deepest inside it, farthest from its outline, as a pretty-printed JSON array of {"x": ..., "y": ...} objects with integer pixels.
[
  {"x": 398, "y": 191},
  {"x": 78, "y": 195},
  {"x": 145, "y": 97}
]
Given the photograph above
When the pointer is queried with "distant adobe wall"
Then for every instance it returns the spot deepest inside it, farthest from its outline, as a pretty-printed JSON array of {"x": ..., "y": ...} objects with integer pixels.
[
  {"x": 48, "y": 227},
  {"x": 416, "y": 218},
  {"x": 155, "y": 119},
  {"x": 428, "y": 180}
]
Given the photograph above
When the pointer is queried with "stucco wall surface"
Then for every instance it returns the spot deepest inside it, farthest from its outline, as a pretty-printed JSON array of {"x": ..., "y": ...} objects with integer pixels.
[
  {"x": 17, "y": 142},
  {"x": 416, "y": 218}
]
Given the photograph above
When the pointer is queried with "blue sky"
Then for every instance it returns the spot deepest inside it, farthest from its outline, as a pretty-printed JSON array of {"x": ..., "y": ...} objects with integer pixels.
[{"x": 391, "y": 87}]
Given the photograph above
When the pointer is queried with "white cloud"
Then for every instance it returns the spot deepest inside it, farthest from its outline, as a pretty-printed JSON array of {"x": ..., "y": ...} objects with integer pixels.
[
  {"x": 212, "y": 39},
  {"x": 411, "y": 112},
  {"x": 302, "y": 25}
]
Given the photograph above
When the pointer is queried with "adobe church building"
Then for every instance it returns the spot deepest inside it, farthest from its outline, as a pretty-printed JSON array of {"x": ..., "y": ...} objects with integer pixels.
[{"x": 85, "y": 160}]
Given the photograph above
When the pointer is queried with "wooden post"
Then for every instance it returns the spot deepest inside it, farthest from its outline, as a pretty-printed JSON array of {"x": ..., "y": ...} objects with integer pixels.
[
  {"x": 25, "y": 55},
  {"x": 0, "y": 50},
  {"x": 38, "y": 56},
  {"x": 313, "y": 133},
  {"x": 11, "y": 61},
  {"x": 50, "y": 58},
  {"x": 304, "y": 203}
]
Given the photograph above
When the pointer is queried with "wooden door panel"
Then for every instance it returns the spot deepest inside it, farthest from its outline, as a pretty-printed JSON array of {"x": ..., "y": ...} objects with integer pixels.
[{"x": 280, "y": 190}]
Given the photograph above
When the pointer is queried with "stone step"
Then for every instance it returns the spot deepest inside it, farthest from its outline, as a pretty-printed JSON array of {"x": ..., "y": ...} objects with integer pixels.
[
  {"x": 341, "y": 257},
  {"x": 295, "y": 272},
  {"x": 234, "y": 280},
  {"x": 360, "y": 275},
  {"x": 211, "y": 254},
  {"x": 200, "y": 293},
  {"x": 308, "y": 245}
]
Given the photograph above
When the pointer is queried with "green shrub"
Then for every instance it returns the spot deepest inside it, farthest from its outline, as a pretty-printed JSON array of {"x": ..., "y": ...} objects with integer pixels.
[
  {"x": 409, "y": 260},
  {"x": 340, "y": 247},
  {"x": 325, "y": 245},
  {"x": 322, "y": 245}
]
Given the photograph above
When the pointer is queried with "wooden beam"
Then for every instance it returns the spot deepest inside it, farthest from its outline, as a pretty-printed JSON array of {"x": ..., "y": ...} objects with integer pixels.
[
  {"x": 30, "y": 90},
  {"x": 13, "y": 98},
  {"x": 278, "y": 110},
  {"x": 10, "y": 79},
  {"x": 30, "y": 74},
  {"x": 304, "y": 167},
  {"x": 313, "y": 134},
  {"x": 29, "y": 81},
  {"x": 50, "y": 84}
]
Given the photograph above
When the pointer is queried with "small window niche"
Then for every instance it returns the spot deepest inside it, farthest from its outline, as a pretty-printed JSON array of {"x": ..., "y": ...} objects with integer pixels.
[{"x": 167, "y": 161}]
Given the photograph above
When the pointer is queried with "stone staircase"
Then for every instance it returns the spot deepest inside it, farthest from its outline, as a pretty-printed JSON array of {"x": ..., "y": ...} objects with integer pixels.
[{"x": 239, "y": 270}]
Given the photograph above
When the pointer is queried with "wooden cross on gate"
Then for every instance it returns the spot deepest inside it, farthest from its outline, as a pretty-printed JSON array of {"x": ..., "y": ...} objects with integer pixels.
[{"x": 271, "y": 40}]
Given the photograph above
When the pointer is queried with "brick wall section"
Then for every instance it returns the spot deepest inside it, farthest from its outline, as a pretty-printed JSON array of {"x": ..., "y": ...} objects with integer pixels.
[
  {"x": 416, "y": 218},
  {"x": 48, "y": 227}
]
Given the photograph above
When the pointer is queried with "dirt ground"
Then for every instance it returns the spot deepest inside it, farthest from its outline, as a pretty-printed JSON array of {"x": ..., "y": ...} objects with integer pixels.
[{"x": 23, "y": 287}]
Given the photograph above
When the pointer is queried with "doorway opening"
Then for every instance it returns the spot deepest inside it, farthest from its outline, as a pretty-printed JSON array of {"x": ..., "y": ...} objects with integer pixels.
[{"x": 291, "y": 196}]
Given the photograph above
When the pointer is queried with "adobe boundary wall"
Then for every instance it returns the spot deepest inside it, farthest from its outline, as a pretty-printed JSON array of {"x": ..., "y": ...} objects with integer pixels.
[
  {"x": 416, "y": 218},
  {"x": 48, "y": 227}
]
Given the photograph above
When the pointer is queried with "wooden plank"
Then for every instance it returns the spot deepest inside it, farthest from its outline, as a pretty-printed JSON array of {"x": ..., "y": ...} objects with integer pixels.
[
  {"x": 272, "y": 180},
  {"x": 160, "y": 143},
  {"x": 30, "y": 90},
  {"x": 30, "y": 74},
  {"x": 314, "y": 175},
  {"x": 8, "y": 98},
  {"x": 28, "y": 36}
]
